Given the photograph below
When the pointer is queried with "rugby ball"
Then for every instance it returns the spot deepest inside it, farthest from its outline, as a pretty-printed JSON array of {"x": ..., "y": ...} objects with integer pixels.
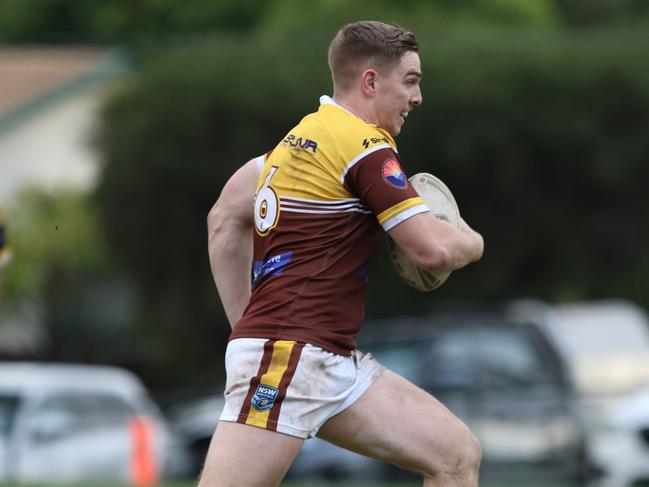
[{"x": 440, "y": 200}]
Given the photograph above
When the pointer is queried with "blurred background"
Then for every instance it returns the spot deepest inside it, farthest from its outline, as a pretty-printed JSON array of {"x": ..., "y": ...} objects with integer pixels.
[{"x": 121, "y": 120}]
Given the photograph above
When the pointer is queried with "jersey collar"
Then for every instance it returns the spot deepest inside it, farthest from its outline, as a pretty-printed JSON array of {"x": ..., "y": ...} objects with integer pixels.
[{"x": 327, "y": 100}]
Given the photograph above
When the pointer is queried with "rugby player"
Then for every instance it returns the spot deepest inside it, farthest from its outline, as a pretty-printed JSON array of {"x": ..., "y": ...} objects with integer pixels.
[{"x": 306, "y": 218}]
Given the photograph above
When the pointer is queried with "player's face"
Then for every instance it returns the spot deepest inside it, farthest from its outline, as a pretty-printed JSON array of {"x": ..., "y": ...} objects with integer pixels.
[{"x": 398, "y": 93}]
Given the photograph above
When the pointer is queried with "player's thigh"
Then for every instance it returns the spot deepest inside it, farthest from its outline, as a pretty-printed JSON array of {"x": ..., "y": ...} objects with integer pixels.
[
  {"x": 246, "y": 455},
  {"x": 398, "y": 422}
]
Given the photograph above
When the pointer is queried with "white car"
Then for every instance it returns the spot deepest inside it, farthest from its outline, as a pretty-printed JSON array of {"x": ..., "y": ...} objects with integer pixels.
[
  {"x": 623, "y": 445},
  {"x": 73, "y": 423},
  {"x": 605, "y": 346}
]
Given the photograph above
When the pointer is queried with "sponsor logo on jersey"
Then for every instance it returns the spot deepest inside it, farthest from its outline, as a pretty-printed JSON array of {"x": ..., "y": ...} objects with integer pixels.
[
  {"x": 393, "y": 175},
  {"x": 264, "y": 397},
  {"x": 374, "y": 140},
  {"x": 272, "y": 266},
  {"x": 300, "y": 144}
]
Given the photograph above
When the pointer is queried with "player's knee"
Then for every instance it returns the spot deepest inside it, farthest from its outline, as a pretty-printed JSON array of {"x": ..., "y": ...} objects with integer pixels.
[
  {"x": 460, "y": 463},
  {"x": 465, "y": 460},
  {"x": 473, "y": 456}
]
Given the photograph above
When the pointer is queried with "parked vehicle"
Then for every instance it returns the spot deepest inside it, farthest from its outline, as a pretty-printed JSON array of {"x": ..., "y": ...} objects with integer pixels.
[
  {"x": 503, "y": 380},
  {"x": 73, "y": 423},
  {"x": 605, "y": 346}
]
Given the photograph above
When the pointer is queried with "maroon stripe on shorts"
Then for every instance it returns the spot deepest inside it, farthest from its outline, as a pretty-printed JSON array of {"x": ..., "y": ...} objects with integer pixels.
[
  {"x": 283, "y": 385},
  {"x": 254, "y": 382}
]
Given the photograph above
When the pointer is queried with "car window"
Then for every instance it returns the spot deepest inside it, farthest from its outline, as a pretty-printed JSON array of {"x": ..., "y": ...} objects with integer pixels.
[
  {"x": 8, "y": 407},
  {"x": 451, "y": 361},
  {"x": 114, "y": 410},
  {"x": 468, "y": 357},
  {"x": 404, "y": 359},
  {"x": 73, "y": 413},
  {"x": 66, "y": 414},
  {"x": 510, "y": 353}
]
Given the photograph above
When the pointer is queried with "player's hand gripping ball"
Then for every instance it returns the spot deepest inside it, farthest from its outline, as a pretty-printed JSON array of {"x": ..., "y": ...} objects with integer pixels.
[{"x": 442, "y": 205}]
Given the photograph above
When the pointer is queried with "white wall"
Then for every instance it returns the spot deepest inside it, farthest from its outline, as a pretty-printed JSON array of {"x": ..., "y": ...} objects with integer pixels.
[{"x": 51, "y": 150}]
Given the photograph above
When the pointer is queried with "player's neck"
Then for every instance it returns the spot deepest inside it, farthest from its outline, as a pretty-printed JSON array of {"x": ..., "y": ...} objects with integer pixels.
[{"x": 353, "y": 106}]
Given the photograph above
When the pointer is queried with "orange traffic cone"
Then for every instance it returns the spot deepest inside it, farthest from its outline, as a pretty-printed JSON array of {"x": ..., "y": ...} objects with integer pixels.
[{"x": 143, "y": 467}]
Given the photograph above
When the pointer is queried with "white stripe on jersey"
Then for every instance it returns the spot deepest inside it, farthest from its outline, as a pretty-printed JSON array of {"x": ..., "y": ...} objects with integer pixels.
[
  {"x": 290, "y": 204},
  {"x": 320, "y": 202},
  {"x": 404, "y": 215},
  {"x": 304, "y": 205},
  {"x": 326, "y": 212}
]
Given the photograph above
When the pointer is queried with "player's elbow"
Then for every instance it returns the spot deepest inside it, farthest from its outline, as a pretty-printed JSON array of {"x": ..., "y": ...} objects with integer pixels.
[
  {"x": 215, "y": 220},
  {"x": 225, "y": 225}
]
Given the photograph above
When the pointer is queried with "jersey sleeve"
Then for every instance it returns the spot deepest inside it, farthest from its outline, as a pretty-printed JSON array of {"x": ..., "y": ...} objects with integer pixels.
[
  {"x": 378, "y": 180},
  {"x": 259, "y": 162}
]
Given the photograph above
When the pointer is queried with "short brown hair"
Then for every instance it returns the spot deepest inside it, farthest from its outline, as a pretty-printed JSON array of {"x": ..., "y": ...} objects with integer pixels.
[{"x": 357, "y": 43}]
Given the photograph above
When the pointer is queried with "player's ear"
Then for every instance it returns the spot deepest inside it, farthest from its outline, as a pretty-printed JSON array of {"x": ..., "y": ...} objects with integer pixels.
[{"x": 368, "y": 82}]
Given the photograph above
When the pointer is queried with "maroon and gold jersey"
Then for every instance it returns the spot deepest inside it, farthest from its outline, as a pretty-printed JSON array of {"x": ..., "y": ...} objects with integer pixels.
[{"x": 324, "y": 196}]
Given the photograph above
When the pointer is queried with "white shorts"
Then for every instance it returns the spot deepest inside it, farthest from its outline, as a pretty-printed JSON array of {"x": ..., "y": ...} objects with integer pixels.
[{"x": 291, "y": 387}]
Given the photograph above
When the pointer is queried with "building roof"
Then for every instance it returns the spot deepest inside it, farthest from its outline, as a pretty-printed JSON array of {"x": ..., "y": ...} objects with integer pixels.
[{"x": 31, "y": 75}]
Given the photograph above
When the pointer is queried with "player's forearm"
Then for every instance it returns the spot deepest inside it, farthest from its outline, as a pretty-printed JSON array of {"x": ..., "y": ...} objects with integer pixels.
[
  {"x": 452, "y": 252},
  {"x": 230, "y": 252},
  {"x": 436, "y": 245}
]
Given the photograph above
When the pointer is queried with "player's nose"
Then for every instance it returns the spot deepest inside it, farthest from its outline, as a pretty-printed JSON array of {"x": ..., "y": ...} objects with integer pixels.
[{"x": 417, "y": 97}]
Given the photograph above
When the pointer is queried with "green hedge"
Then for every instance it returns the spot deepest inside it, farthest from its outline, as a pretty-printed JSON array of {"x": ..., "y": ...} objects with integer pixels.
[{"x": 541, "y": 137}]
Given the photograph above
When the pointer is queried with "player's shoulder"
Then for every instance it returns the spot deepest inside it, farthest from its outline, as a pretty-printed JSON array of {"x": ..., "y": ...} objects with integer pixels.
[{"x": 352, "y": 135}]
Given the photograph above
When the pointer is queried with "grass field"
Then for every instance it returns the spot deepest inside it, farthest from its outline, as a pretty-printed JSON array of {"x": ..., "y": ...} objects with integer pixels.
[
  {"x": 284, "y": 484},
  {"x": 397, "y": 484}
]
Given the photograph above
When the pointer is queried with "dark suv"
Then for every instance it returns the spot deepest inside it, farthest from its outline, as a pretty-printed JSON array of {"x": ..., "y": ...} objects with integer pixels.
[{"x": 504, "y": 380}]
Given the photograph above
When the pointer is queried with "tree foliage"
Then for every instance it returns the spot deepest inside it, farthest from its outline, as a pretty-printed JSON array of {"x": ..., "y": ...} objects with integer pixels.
[
  {"x": 539, "y": 135},
  {"x": 48, "y": 230},
  {"x": 122, "y": 21},
  {"x": 138, "y": 22},
  {"x": 61, "y": 267},
  {"x": 535, "y": 120}
]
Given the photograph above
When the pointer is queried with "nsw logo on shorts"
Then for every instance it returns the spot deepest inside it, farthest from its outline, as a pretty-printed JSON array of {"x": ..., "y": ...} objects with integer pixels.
[{"x": 264, "y": 397}]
